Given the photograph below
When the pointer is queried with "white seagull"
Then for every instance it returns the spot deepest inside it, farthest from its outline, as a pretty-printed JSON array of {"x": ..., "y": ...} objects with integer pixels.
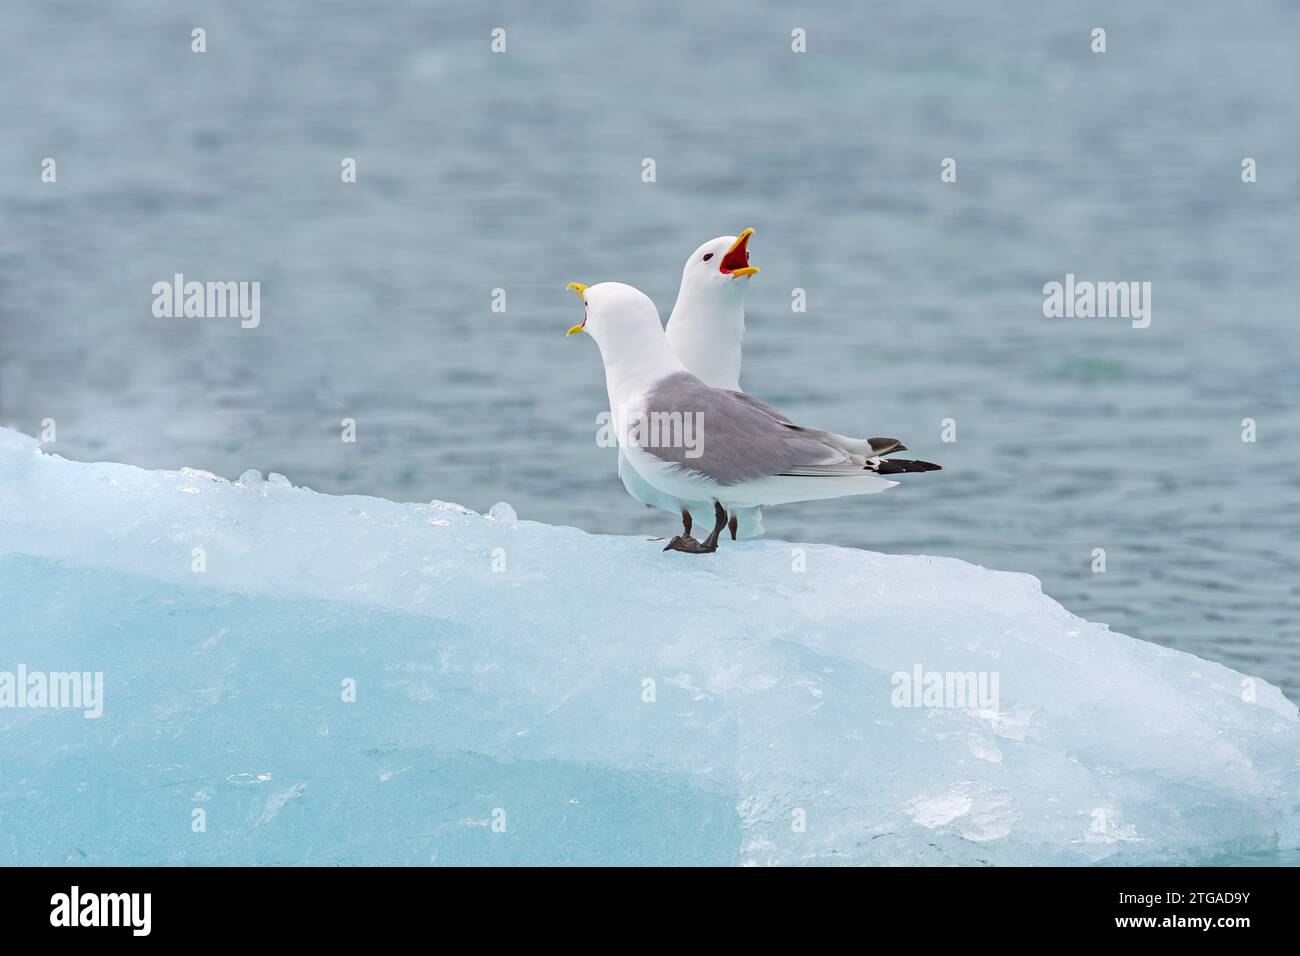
[
  {"x": 706, "y": 329},
  {"x": 744, "y": 454}
]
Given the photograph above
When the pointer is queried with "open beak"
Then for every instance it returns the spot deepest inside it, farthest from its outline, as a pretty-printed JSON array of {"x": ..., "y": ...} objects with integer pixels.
[
  {"x": 581, "y": 289},
  {"x": 736, "y": 262}
]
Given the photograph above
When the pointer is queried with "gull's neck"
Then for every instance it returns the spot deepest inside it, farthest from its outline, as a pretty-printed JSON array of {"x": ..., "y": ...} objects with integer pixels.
[
  {"x": 706, "y": 332},
  {"x": 636, "y": 361}
]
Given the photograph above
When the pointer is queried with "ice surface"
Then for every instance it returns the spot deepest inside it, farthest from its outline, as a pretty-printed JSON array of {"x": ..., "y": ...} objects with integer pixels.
[{"x": 535, "y": 694}]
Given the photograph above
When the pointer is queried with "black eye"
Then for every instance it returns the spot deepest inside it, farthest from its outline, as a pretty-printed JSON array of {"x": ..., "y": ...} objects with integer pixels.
[{"x": 708, "y": 256}]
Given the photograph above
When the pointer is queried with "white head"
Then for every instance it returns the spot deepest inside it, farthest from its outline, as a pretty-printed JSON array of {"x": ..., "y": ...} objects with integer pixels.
[
  {"x": 719, "y": 269},
  {"x": 625, "y": 324},
  {"x": 708, "y": 322}
]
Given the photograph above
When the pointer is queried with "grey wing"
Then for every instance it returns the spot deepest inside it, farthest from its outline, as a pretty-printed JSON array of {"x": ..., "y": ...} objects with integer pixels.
[
  {"x": 751, "y": 401},
  {"x": 815, "y": 434},
  {"x": 736, "y": 438}
]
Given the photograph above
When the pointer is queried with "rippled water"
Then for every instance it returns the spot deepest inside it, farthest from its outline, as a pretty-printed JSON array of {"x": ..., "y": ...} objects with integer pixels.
[{"x": 523, "y": 171}]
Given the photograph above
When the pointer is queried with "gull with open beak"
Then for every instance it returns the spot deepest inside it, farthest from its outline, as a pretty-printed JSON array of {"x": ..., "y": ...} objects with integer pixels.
[
  {"x": 706, "y": 329},
  {"x": 707, "y": 325},
  {"x": 750, "y": 454}
]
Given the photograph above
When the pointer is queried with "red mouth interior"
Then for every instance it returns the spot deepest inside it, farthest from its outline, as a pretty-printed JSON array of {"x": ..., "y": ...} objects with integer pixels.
[{"x": 737, "y": 258}]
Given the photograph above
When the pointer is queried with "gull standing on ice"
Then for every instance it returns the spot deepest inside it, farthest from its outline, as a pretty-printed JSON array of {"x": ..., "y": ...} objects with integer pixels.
[
  {"x": 706, "y": 329},
  {"x": 750, "y": 454}
]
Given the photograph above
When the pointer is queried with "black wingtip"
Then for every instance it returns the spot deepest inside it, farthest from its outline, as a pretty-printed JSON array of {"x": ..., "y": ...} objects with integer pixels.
[{"x": 899, "y": 466}]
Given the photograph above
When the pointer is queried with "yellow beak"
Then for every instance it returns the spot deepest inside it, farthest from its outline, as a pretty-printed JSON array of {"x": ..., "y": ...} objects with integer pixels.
[
  {"x": 740, "y": 239},
  {"x": 740, "y": 243},
  {"x": 581, "y": 289}
]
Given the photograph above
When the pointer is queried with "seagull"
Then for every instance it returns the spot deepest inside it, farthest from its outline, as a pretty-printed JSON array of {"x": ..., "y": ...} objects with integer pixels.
[
  {"x": 706, "y": 329},
  {"x": 707, "y": 324},
  {"x": 713, "y": 446}
]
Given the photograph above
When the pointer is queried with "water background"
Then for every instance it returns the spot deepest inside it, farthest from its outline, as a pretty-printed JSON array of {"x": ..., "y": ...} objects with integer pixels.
[{"x": 523, "y": 171}]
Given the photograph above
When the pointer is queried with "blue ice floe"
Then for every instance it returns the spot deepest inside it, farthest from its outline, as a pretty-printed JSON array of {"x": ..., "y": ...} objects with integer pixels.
[{"x": 294, "y": 678}]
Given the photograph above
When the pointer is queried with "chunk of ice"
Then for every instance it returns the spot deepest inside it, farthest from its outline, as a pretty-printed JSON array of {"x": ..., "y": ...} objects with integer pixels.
[{"x": 353, "y": 680}]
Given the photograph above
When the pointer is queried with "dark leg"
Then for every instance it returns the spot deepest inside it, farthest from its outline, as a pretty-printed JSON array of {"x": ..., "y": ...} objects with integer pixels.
[
  {"x": 684, "y": 541},
  {"x": 720, "y": 522},
  {"x": 731, "y": 526},
  {"x": 689, "y": 545}
]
